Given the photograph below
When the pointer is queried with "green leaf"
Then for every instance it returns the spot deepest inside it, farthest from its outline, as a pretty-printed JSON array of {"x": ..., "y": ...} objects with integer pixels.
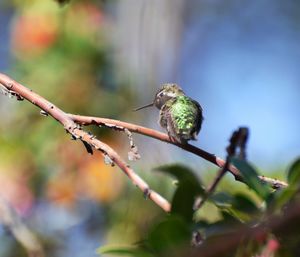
[
  {"x": 221, "y": 199},
  {"x": 293, "y": 174},
  {"x": 244, "y": 209},
  {"x": 244, "y": 203},
  {"x": 229, "y": 219},
  {"x": 282, "y": 197},
  {"x": 180, "y": 172},
  {"x": 250, "y": 177},
  {"x": 188, "y": 189},
  {"x": 169, "y": 234},
  {"x": 228, "y": 223},
  {"x": 124, "y": 250},
  {"x": 238, "y": 204}
]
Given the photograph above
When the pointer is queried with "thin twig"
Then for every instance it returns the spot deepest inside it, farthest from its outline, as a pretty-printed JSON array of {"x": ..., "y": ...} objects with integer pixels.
[
  {"x": 121, "y": 125},
  {"x": 273, "y": 182},
  {"x": 77, "y": 133},
  {"x": 238, "y": 139},
  {"x": 211, "y": 188}
]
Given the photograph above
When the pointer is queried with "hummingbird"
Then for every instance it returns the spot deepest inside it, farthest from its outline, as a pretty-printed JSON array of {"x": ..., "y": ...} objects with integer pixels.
[{"x": 179, "y": 115}]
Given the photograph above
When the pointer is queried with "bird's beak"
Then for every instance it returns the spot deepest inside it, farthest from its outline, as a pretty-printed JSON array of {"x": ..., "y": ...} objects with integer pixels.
[{"x": 145, "y": 106}]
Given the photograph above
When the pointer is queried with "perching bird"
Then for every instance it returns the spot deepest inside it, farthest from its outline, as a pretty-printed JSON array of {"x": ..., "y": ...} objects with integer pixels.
[{"x": 180, "y": 115}]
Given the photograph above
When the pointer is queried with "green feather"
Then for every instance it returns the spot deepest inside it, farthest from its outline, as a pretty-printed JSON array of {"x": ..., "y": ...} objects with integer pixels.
[{"x": 182, "y": 116}]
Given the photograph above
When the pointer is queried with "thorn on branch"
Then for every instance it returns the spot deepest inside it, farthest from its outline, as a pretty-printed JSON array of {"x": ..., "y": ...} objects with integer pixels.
[
  {"x": 43, "y": 113},
  {"x": 108, "y": 160},
  {"x": 88, "y": 147},
  {"x": 92, "y": 136},
  {"x": 73, "y": 137},
  {"x": 112, "y": 126},
  {"x": 133, "y": 154},
  {"x": 10, "y": 93},
  {"x": 70, "y": 126},
  {"x": 147, "y": 193}
]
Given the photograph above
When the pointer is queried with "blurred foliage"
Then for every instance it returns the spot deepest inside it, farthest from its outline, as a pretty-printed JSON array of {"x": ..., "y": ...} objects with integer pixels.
[
  {"x": 61, "y": 50},
  {"x": 182, "y": 230},
  {"x": 62, "y": 53}
]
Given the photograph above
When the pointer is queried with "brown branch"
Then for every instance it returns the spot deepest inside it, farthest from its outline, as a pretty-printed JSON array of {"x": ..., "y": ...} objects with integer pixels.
[
  {"x": 121, "y": 125},
  {"x": 273, "y": 182},
  {"x": 71, "y": 121},
  {"x": 77, "y": 133}
]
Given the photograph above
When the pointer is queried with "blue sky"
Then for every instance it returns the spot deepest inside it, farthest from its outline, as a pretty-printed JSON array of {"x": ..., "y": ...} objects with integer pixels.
[
  {"x": 242, "y": 64},
  {"x": 5, "y": 13}
]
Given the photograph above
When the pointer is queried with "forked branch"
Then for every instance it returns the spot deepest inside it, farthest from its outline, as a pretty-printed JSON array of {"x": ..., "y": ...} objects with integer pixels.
[
  {"x": 121, "y": 125},
  {"x": 71, "y": 124},
  {"x": 77, "y": 133}
]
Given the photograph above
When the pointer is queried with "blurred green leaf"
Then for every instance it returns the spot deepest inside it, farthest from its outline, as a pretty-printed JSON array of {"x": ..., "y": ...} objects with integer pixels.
[
  {"x": 227, "y": 223},
  {"x": 124, "y": 250},
  {"x": 240, "y": 206},
  {"x": 243, "y": 208},
  {"x": 184, "y": 199},
  {"x": 180, "y": 172},
  {"x": 229, "y": 219},
  {"x": 282, "y": 197},
  {"x": 169, "y": 234},
  {"x": 293, "y": 174},
  {"x": 188, "y": 189},
  {"x": 250, "y": 177},
  {"x": 244, "y": 203},
  {"x": 222, "y": 199}
]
